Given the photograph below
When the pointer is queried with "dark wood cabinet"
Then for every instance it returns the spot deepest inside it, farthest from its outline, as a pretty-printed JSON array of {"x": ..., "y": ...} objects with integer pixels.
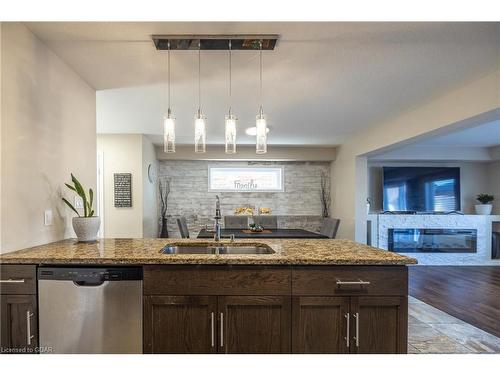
[
  {"x": 180, "y": 324},
  {"x": 310, "y": 309},
  {"x": 18, "y": 324},
  {"x": 341, "y": 325},
  {"x": 379, "y": 325},
  {"x": 254, "y": 324},
  {"x": 210, "y": 324},
  {"x": 320, "y": 325},
  {"x": 18, "y": 305}
]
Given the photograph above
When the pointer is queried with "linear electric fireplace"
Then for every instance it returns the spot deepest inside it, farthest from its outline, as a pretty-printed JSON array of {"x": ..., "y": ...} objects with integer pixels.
[{"x": 432, "y": 240}]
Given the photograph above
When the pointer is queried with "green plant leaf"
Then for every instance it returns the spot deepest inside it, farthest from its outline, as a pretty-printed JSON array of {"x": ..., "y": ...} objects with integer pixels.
[
  {"x": 70, "y": 187},
  {"x": 91, "y": 213},
  {"x": 91, "y": 198},
  {"x": 70, "y": 206},
  {"x": 81, "y": 193}
]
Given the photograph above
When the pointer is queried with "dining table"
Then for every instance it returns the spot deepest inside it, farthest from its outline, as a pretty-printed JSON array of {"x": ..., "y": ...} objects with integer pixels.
[{"x": 266, "y": 233}]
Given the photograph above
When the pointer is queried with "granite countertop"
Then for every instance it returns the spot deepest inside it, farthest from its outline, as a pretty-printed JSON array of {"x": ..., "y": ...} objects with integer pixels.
[{"x": 147, "y": 251}]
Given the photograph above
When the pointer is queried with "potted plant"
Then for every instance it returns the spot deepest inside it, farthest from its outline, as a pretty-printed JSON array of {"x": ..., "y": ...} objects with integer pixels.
[
  {"x": 86, "y": 226},
  {"x": 485, "y": 207}
]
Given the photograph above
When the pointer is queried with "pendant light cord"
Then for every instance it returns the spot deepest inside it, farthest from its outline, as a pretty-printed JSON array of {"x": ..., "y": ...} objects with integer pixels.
[
  {"x": 230, "y": 77},
  {"x": 199, "y": 75},
  {"x": 168, "y": 65},
  {"x": 260, "y": 58}
]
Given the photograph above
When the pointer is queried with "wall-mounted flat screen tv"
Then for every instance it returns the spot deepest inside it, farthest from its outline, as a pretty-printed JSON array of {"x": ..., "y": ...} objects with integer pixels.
[{"x": 421, "y": 189}]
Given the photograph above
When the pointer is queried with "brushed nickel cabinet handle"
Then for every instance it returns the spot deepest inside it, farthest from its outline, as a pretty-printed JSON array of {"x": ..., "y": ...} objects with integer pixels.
[
  {"x": 356, "y": 338},
  {"x": 347, "y": 338},
  {"x": 221, "y": 330},
  {"x": 12, "y": 281},
  {"x": 212, "y": 323},
  {"x": 29, "y": 336},
  {"x": 359, "y": 282}
]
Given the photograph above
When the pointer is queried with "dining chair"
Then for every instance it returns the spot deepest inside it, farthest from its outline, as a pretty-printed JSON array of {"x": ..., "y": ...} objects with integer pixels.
[
  {"x": 183, "y": 228},
  {"x": 235, "y": 222},
  {"x": 266, "y": 221},
  {"x": 330, "y": 227}
]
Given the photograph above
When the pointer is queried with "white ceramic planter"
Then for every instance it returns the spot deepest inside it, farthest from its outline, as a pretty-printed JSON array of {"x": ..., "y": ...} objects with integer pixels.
[
  {"x": 86, "y": 228},
  {"x": 483, "y": 209}
]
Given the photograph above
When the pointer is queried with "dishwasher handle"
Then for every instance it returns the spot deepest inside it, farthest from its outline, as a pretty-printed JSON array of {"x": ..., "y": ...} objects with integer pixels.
[{"x": 83, "y": 283}]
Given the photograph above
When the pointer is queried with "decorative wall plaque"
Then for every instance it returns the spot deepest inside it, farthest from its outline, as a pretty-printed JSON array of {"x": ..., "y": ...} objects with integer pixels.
[{"x": 123, "y": 189}]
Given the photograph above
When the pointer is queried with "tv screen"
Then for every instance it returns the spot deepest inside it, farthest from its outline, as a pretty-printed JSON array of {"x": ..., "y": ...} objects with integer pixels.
[{"x": 421, "y": 189}]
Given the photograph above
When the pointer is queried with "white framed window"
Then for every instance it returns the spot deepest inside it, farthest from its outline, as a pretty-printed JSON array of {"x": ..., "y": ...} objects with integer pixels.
[{"x": 245, "y": 179}]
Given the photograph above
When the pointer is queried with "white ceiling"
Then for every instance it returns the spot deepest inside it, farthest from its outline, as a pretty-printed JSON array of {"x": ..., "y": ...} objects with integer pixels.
[
  {"x": 486, "y": 135},
  {"x": 324, "y": 81}
]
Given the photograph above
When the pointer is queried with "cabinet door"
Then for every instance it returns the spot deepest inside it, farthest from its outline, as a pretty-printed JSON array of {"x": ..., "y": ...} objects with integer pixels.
[
  {"x": 19, "y": 332},
  {"x": 320, "y": 325},
  {"x": 180, "y": 324},
  {"x": 252, "y": 324},
  {"x": 379, "y": 325}
]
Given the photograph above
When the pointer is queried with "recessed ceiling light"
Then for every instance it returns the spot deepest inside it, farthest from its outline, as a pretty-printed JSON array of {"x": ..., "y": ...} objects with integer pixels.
[{"x": 253, "y": 131}]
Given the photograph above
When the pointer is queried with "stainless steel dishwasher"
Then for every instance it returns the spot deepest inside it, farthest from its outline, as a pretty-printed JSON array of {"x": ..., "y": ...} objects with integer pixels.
[{"x": 90, "y": 310}]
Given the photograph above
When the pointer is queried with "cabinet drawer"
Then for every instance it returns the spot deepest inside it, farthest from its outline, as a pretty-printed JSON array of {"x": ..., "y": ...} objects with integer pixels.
[
  {"x": 17, "y": 279},
  {"x": 350, "y": 280},
  {"x": 204, "y": 280}
]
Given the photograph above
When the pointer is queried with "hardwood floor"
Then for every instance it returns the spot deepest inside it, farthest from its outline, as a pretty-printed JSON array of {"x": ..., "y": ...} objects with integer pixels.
[{"x": 469, "y": 293}]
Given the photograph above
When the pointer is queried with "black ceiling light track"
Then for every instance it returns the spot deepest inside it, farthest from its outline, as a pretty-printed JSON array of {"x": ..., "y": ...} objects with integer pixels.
[{"x": 215, "y": 42}]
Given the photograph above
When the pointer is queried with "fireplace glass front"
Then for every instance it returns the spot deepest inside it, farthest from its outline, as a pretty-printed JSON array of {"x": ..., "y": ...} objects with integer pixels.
[{"x": 432, "y": 240}]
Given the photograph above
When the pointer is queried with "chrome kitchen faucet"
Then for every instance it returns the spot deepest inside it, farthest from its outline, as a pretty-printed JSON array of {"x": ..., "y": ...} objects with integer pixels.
[{"x": 217, "y": 218}]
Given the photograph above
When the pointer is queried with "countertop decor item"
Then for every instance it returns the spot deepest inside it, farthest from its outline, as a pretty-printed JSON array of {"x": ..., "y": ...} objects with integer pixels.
[
  {"x": 86, "y": 226},
  {"x": 256, "y": 228},
  {"x": 486, "y": 204}
]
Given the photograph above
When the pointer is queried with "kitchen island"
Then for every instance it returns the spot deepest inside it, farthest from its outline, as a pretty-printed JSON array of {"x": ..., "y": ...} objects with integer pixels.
[{"x": 309, "y": 296}]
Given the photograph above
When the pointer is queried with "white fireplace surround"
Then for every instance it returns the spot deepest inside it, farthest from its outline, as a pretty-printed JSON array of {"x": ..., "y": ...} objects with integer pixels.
[{"x": 381, "y": 223}]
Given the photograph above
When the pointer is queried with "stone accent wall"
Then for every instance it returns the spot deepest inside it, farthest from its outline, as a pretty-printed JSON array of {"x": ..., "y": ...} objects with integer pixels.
[{"x": 299, "y": 206}]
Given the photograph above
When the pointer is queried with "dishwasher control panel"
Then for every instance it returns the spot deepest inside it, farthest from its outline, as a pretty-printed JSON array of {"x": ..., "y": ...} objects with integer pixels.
[{"x": 93, "y": 274}]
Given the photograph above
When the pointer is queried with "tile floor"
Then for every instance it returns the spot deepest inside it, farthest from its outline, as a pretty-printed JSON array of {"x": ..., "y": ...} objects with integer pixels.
[{"x": 432, "y": 331}]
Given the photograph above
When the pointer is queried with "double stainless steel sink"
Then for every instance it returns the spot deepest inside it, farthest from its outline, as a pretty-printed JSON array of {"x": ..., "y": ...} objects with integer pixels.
[{"x": 217, "y": 248}]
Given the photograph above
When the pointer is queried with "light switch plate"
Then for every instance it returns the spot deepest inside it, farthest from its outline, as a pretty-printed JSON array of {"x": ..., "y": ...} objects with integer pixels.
[
  {"x": 78, "y": 202},
  {"x": 48, "y": 218}
]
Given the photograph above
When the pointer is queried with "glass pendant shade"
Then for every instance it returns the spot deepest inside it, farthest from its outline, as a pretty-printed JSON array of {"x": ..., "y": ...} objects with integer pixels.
[
  {"x": 200, "y": 134},
  {"x": 261, "y": 129},
  {"x": 230, "y": 134},
  {"x": 169, "y": 133}
]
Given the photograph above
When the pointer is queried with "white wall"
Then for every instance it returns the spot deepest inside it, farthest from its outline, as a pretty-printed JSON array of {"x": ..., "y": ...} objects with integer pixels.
[
  {"x": 48, "y": 130},
  {"x": 129, "y": 153},
  {"x": 457, "y": 109},
  {"x": 122, "y": 153},
  {"x": 150, "y": 190},
  {"x": 473, "y": 180},
  {"x": 493, "y": 184}
]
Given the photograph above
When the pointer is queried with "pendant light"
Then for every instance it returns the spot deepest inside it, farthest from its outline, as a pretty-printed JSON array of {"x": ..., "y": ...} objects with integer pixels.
[
  {"x": 230, "y": 118},
  {"x": 200, "y": 134},
  {"x": 169, "y": 120},
  {"x": 260, "y": 124}
]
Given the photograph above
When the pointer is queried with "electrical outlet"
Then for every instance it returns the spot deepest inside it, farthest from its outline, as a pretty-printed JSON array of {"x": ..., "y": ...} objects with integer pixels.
[
  {"x": 78, "y": 202},
  {"x": 48, "y": 218}
]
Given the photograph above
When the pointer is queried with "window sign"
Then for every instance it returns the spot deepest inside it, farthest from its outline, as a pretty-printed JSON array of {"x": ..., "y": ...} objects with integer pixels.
[{"x": 245, "y": 179}]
